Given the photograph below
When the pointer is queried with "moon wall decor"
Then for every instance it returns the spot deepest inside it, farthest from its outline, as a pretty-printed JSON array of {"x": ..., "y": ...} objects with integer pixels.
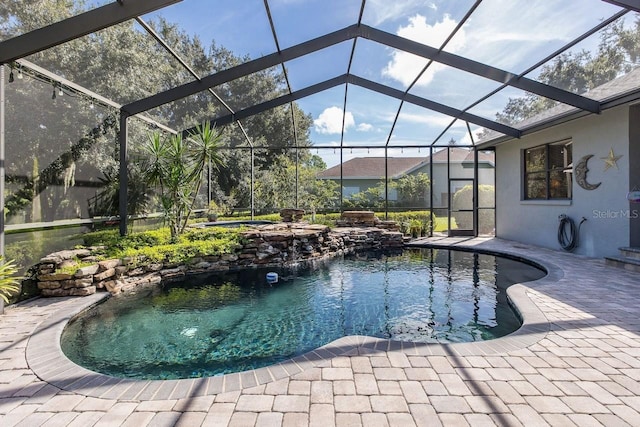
[{"x": 581, "y": 170}]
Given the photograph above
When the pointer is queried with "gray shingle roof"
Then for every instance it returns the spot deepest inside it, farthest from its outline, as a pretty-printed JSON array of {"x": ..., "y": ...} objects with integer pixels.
[{"x": 373, "y": 167}]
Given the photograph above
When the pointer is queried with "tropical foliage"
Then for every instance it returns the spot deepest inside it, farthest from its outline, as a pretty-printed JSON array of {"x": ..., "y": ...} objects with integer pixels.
[
  {"x": 62, "y": 153},
  {"x": 9, "y": 284},
  {"x": 160, "y": 246},
  {"x": 176, "y": 167},
  {"x": 276, "y": 187}
]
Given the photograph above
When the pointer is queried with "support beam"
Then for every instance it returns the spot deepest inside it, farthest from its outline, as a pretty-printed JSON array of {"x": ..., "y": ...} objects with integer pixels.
[
  {"x": 273, "y": 103},
  {"x": 627, "y": 4},
  {"x": 253, "y": 178},
  {"x": 242, "y": 70},
  {"x": 76, "y": 27},
  {"x": 352, "y": 32},
  {"x": 386, "y": 182},
  {"x": 367, "y": 84},
  {"x": 190, "y": 70},
  {"x": 2, "y": 159},
  {"x": 480, "y": 69},
  {"x": 431, "y": 105},
  {"x": 124, "y": 176}
]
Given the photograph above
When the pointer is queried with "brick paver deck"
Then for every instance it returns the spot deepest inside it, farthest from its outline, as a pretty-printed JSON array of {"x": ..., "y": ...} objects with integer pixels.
[{"x": 576, "y": 361}]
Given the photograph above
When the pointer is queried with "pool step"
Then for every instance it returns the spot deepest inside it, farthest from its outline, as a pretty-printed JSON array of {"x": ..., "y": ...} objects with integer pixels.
[
  {"x": 629, "y": 259},
  {"x": 630, "y": 252}
]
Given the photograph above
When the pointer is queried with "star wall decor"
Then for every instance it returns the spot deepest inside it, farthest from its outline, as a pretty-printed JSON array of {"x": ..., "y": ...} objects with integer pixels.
[{"x": 611, "y": 160}]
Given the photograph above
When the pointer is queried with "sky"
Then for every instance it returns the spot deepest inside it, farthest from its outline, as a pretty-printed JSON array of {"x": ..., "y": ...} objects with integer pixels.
[{"x": 511, "y": 35}]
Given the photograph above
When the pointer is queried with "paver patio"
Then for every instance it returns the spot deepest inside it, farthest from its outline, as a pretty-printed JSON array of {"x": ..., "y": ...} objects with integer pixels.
[{"x": 576, "y": 361}]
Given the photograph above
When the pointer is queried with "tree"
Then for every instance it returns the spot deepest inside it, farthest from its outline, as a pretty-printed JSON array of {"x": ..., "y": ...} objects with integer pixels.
[
  {"x": 413, "y": 189},
  {"x": 371, "y": 198},
  {"x": 176, "y": 167},
  {"x": 124, "y": 64},
  {"x": 276, "y": 185},
  {"x": 618, "y": 53}
]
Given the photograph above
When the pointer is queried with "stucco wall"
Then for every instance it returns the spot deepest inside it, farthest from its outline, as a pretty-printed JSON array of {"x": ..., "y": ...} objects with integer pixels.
[{"x": 606, "y": 208}]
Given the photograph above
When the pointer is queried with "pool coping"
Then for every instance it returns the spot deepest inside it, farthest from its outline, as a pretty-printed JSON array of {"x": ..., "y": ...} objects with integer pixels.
[{"x": 45, "y": 357}]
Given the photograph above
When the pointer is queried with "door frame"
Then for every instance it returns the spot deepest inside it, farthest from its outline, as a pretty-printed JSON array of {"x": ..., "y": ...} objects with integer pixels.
[{"x": 465, "y": 232}]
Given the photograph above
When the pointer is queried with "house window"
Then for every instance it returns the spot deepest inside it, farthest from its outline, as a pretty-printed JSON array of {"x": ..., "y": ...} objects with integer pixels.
[{"x": 547, "y": 171}]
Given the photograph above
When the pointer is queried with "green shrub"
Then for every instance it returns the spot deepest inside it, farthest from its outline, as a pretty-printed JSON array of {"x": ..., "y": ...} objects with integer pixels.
[
  {"x": 415, "y": 227},
  {"x": 157, "y": 246},
  {"x": 463, "y": 199},
  {"x": 9, "y": 283},
  {"x": 72, "y": 268},
  {"x": 102, "y": 237}
]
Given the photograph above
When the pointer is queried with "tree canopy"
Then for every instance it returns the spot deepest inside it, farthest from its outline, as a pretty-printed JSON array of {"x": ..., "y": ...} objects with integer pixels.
[
  {"x": 60, "y": 150},
  {"x": 618, "y": 53}
]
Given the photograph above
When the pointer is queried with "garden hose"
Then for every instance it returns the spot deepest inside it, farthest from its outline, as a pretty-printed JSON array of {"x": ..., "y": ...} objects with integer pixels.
[{"x": 568, "y": 233}]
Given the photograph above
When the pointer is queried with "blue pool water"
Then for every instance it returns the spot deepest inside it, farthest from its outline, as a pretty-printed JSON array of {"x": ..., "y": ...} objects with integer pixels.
[{"x": 234, "y": 322}]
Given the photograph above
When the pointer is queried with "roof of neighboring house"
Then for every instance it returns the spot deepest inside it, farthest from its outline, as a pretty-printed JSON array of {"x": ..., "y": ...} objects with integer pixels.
[
  {"x": 623, "y": 89},
  {"x": 373, "y": 167}
]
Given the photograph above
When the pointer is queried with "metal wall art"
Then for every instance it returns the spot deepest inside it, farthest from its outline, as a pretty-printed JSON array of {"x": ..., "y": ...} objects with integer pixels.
[
  {"x": 581, "y": 170},
  {"x": 611, "y": 160}
]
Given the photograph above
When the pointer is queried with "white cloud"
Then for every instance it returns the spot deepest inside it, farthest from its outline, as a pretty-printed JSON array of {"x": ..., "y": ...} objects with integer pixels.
[
  {"x": 513, "y": 36},
  {"x": 405, "y": 67},
  {"x": 330, "y": 121},
  {"x": 364, "y": 127},
  {"x": 379, "y": 11}
]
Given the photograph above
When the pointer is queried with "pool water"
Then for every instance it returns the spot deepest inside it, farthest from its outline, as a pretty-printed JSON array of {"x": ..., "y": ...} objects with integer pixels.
[{"x": 234, "y": 322}]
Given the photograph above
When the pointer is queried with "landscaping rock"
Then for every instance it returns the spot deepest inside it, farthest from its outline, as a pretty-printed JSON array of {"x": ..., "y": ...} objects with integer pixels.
[
  {"x": 59, "y": 257},
  {"x": 81, "y": 292},
  {"x": 291, "y": 215},
  {"x": 53, "y": 277},
  {"x": 87, "y": 271},
  {"x": 202, "y": 265},
  {"x": 113, "y": 286},
  {"x": 110, "y": 263},
  {"x": 49, "y": 285},
  {"x": 154, "y": 267},
  {"x": 104, "y": 275},
  {"x": 268, "y": 245}
]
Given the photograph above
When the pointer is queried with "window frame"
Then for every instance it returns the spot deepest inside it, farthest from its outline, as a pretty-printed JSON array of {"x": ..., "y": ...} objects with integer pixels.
[{"x": 547, "y": 171}]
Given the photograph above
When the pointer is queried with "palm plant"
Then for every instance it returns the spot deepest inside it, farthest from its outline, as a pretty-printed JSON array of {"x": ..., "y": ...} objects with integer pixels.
[
  {"x": 8, "y": 281},
  {"x": 176, "y": 167}
]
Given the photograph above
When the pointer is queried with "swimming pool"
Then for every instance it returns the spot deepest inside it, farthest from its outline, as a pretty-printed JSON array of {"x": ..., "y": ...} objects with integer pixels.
[{"x": 234, "y": 322}]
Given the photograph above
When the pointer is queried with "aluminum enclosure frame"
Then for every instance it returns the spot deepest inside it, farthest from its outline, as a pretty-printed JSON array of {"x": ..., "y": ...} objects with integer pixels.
[{"x": 120, "y": 11}]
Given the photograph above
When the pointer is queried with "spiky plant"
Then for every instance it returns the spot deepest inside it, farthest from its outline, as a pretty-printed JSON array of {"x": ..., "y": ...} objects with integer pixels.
[{"x": 8, "y": 281}]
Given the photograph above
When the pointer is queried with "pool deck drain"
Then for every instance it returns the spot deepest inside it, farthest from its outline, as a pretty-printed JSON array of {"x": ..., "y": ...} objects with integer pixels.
[{"x": 575, "y": 361}]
